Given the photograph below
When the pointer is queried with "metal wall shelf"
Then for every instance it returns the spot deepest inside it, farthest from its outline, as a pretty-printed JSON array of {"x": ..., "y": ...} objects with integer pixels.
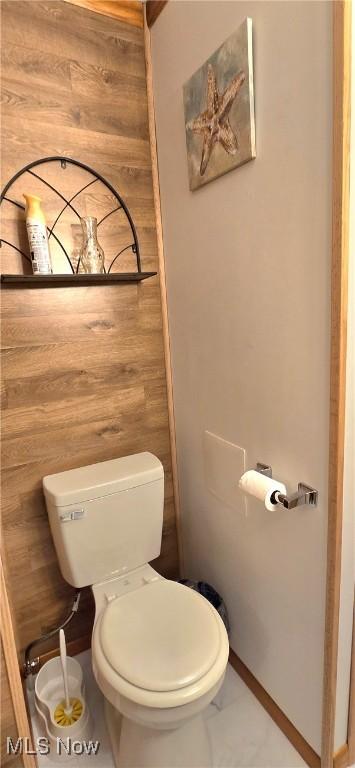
[
  {"x": 75, "y": 277},
  {"x": 51, "y": 281}
]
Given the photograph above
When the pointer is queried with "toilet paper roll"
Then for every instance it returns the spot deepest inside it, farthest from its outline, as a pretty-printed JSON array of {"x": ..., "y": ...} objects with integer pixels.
[{"x": 262, "y": 487}]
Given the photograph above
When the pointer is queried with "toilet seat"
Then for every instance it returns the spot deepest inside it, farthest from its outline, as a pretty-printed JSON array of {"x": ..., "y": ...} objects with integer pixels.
[
  {"x": 161, "y": 637},
  {"x": 201, "y": 676}
]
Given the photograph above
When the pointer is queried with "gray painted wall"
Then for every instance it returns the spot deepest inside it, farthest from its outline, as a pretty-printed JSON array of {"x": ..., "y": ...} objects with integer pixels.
[{"x": 248, "y": 272}]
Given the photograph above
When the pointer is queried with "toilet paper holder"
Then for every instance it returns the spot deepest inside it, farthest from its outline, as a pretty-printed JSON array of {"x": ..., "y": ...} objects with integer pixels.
[{"x": 305, "y": 495}]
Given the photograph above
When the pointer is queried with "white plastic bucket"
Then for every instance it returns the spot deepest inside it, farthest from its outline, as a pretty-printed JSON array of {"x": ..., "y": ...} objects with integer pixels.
[{"x": 49, "y": 692}]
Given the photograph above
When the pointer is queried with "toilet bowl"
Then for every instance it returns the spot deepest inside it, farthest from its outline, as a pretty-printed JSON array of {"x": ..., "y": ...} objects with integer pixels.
[
  {"x": 159, "y": 654},
  {"x": 159, "y": 649}
]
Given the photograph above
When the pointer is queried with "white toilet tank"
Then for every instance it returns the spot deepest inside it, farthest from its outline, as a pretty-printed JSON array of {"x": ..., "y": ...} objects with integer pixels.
[{"x": 106, "y": 518}]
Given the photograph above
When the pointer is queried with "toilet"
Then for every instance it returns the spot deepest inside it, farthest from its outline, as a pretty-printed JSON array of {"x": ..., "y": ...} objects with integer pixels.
[{"x": 159, "y": 649}]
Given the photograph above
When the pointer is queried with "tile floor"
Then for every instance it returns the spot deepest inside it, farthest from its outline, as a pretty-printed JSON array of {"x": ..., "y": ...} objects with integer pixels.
[{"x": 242, "y": 734}]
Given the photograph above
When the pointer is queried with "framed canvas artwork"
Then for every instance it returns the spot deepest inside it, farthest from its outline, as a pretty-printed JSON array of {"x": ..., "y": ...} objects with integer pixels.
[{"x": 219, "y": 110}]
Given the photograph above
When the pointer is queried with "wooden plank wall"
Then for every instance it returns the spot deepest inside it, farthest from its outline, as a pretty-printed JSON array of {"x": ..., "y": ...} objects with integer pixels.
[
  {"x": 129, "y": 11},
  {"x": 8, "y": 725},
  {"x": 83, "y": 368},
  {"x": 14, "y": 713}
]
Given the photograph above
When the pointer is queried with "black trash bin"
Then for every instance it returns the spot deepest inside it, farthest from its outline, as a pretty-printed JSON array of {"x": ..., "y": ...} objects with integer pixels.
[{"x": 211, "y": 595}]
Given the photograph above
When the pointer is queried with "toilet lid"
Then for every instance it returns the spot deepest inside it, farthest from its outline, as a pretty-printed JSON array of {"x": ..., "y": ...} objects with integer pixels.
[{"x": 161, "y": 637}]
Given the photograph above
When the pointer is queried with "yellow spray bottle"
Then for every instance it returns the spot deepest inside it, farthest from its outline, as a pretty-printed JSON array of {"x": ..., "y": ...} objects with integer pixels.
[{"x": 37, "y": 236}]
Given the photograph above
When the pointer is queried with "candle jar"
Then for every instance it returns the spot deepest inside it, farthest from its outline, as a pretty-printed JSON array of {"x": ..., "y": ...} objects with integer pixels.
[{"x": 92, "y": 257}]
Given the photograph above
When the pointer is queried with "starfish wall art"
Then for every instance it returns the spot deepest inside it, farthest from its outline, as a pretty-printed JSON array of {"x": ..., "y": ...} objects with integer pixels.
[{"x": 219, "y": 110}]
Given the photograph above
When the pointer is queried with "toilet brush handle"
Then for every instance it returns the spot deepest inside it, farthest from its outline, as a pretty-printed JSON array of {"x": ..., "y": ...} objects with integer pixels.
[{"x": 63, "y": 659}]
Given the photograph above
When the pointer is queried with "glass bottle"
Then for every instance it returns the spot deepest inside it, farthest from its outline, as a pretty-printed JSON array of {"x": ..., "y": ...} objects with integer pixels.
[{"x": 92, "y": 257}]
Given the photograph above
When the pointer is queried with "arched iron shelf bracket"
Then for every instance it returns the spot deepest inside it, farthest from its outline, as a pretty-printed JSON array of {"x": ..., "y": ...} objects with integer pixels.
[
  {"x": 68, "y": 204},
  {"x": 74, "y": 278},
  {"x": 24, "y": 255}
]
